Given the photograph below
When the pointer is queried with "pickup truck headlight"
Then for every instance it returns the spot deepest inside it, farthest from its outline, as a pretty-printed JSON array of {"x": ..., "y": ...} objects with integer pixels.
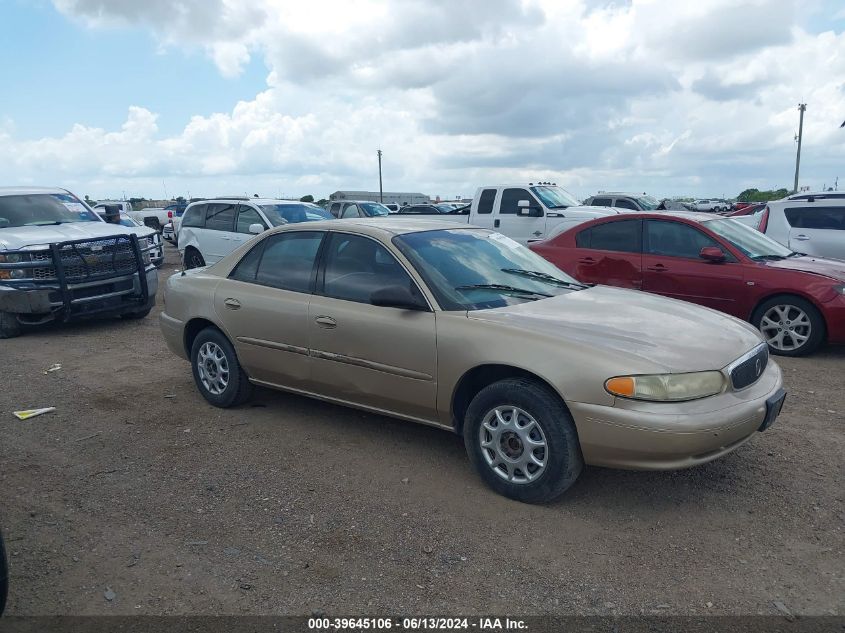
[
  {"x": 667, "y": 387},
  {"x": 13, "y": 258},
  {"x": 9, "y": 274}
]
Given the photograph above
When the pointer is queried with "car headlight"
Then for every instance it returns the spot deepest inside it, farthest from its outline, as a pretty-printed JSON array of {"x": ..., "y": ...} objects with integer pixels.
[
  {"x": 667, "y": 387},
  {"x": 13, "y": 258}
]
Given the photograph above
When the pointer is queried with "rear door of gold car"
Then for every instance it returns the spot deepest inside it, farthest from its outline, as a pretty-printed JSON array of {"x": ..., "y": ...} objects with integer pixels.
[
  {"x": 263, "y": 306},
  {"x": 375, "y": 356}
]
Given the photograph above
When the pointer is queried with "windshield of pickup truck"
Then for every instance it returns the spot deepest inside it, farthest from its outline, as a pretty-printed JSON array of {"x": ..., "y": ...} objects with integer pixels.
[
  {"x": 43, "y": 209},
  {"x": 279, "y": 214},
  {"x": 648, "y": 203},
  {"x": 555, "y": 197},
  {"x": 476, "y": 269}
]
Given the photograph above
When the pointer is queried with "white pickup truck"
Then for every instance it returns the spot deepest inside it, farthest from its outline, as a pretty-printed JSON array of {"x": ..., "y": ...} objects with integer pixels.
[
  {"x": 528, "y": 212},
  {"x": 153, "y": 217}
]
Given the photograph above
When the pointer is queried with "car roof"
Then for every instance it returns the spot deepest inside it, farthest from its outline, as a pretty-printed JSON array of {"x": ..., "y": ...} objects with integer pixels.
[
  {"x": 692, "y": 216},
  {"x": 819, "y": 201},
  {"x": 358, "y": 201},
  {"x": 384, "y": 226},
  {"x": 28, "y": 191},
  {"x": 252, "y": 200},
  {"x": 619, "y": 193}
]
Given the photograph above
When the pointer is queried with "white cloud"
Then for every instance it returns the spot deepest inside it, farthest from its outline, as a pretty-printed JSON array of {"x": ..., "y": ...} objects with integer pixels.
[{"x": 667, "y": 96}]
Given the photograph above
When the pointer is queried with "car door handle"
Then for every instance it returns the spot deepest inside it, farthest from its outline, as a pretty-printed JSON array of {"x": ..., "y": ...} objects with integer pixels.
[
  {"x": 496, "y": 224},
  {"x": 232, "y": 304},
  {"x": 802, "y": 237},
  {"x": 326, "y": 322},
  {"x": 660, "y": 268},
  {"x": 586, "y": 260}
]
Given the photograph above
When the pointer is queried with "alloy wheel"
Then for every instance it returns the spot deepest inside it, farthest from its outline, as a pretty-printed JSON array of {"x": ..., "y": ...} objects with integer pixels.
[
  {"x": 513, "y": 444},
  {"x": 786, "y": 327},
  {"x": 213, "y": 368}
]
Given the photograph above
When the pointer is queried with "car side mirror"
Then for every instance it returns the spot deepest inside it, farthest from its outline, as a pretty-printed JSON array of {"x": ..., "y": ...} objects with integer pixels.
[
  {"x": 256, "y": 228},
  {"x": 712, "y": 254},
  {"x": 397, "y": 297}
]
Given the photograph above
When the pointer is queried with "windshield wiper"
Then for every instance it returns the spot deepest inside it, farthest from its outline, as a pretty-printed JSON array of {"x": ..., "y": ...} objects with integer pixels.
[
  {"x": 536, "y": 274},
  {"x": 774, "y": 258},
  {"x": 503, "y": 288}
]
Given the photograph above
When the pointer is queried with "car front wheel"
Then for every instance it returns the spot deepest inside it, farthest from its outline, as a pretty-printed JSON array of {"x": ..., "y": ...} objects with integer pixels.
[
  {"x": 217, "y": 373},
  {"x": 790, "y": 325},
  {"x": 522, "y": 440},
  {"x": 193, "y": 258}
]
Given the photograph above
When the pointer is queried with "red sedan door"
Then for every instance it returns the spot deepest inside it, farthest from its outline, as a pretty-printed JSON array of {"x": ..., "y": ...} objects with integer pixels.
[
  {"x": 672, "y": 267},
  {"x": 609, "y": 252}
]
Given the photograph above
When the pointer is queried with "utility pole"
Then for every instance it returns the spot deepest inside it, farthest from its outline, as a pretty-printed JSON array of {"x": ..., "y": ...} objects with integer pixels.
[
  {"x": 380, "y": 190},
  {"x": 801, "y": 108}
]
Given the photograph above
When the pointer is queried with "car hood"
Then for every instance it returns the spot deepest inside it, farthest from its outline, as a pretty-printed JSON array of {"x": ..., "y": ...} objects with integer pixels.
[
  {"x": 24, "y": 236},
  {"x": 592, "y": 211},
  {"x": 833, "y": 268},
  {"x": 674, "y": 335}
]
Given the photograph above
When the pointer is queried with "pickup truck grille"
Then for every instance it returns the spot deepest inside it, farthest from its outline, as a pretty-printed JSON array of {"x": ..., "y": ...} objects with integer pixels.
[
  {"x": 92, "y": 259},
  {"x": 749, "y": 369}
]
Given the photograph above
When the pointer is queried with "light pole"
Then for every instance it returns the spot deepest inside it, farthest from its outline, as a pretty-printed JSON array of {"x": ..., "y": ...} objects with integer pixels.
[
  {"x": 380, "y": 190},
  {"x": 801, "y": 108}
]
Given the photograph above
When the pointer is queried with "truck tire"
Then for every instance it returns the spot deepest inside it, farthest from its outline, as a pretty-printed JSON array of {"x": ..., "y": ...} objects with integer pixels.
[
  {"x": 522, "y": 440},
  {"x": 140, "y": 314},
  {"x": 9, "y": 326}
]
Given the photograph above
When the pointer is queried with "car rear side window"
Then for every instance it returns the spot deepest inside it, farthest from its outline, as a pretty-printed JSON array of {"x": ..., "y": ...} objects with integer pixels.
[
  {"x": 622, "y": 203},
  {"x": 600, "y": 202},
  {"x": 623, "y": 237},
  {"x": 195, "y": 216},
  {"x": 675, "y": 239},
  {"x": 220, "y": 216},
  {"x": 511, "y": 198},
  {"x": 288, "y": 260},
  {"x": 485, "y": 202},
  {"x": 357, "y": 266},
  {"x": 814, "y": 217}
]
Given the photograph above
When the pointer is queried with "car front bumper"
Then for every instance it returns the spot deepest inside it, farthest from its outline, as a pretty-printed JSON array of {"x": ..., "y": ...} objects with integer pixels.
[
  {"x": 667, "y": 436},
  {"x": 834, "y": 316},
  {"x": 173, "y": 331}
]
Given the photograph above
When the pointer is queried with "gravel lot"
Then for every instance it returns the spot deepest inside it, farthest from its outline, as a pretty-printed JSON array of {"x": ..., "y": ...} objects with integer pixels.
[{"x": 137, "y": 497}]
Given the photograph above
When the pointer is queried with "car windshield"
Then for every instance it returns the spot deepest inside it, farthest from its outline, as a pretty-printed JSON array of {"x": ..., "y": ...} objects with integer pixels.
[
  {"x": 750, "y": 241},
  {"x": 648, "y": 203},
  {"x": 374, "y": 208},
  {"x": 445, "y": 208},
  {"x": 279, "y": 214},
  {"x": 43, "y": 208},
  {"x": 476, "y": 269},
  {"x": 555, "y": 197}
]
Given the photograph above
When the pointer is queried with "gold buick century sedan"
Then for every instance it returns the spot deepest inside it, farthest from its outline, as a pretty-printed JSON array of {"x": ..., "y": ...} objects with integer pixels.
[{"x": 465, "y": 329}]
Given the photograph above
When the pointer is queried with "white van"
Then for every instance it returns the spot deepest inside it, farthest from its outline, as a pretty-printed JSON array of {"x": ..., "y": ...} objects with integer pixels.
[{"x": 211, "y": 229}]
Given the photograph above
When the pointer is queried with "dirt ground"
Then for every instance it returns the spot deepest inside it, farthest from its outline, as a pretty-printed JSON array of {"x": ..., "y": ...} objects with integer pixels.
[{"x": 137, "y": 497}]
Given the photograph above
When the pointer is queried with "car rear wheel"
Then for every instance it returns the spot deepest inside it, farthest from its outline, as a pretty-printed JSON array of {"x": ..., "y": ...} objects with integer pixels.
[
  {"x": 522, "y": 440},
  {"x": 790, "y": 325},
  {"x": 193, "y": 258},
  {"x": 217, "y": 373}
]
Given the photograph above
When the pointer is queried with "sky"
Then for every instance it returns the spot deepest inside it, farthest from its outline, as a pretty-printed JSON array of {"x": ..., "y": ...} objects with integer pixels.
[{"x": 114, "y": 98}]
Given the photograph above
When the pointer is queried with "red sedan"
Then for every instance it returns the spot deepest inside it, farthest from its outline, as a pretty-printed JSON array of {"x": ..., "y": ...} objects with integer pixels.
[{"x": 796, "y": 301}]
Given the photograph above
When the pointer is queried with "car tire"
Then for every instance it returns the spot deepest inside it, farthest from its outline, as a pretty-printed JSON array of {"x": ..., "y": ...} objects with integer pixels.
[
  {"x": 140, "y": 314},
  {"x": 193, "y": 258},
  {"x": 496, "y": 442},
  {"x": 796, "y": 313},
  {"x": 220, "y": 378},
  {"x": 9, "y": 325}
]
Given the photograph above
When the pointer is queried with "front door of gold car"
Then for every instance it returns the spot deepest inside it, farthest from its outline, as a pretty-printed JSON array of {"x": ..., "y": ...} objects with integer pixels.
[
  {"x": 263, "y": 306},
  {"x": 375, "y": 356}
]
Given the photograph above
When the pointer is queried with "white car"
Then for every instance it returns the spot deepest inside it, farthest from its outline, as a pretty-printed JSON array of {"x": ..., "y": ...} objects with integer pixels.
[
  {"x": 157, "y": 252},
  {"x": 153, "y": 217},
  {"x": 211, "y": 229},
  {"x": 711, "y": 205},
  {"x": 807, "y": 223}
]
